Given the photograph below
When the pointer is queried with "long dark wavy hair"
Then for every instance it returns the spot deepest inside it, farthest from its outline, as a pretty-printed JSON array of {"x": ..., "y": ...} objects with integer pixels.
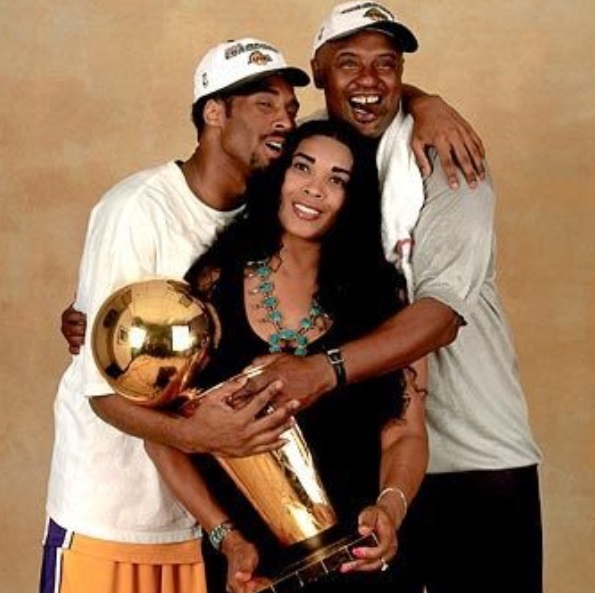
[{"x": 354, "y": 280}]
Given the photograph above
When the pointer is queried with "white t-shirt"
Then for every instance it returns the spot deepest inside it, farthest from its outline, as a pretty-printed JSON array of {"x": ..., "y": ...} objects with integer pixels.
[{"x": 102, "y": 483}]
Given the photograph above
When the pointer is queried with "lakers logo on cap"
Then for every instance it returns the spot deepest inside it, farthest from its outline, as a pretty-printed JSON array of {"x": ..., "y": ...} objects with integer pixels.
[
  {"x": 375, "y": 14},
  {"x": 259, "y": 58}
]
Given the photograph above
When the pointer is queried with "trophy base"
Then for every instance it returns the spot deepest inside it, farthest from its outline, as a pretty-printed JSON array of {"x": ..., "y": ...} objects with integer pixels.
[{"x": 316, "y": 565}]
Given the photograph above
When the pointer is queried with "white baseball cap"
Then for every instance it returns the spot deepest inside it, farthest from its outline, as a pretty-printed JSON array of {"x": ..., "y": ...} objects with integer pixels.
[
  {"x": 350, "y": 17},
  {"x": 232, "y": 64}
]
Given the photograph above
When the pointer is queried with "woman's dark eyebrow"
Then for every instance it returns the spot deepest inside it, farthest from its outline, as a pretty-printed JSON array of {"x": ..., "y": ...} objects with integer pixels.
[
  {"x": 311, "y": 159},
  {"x": 340, "y": 170}
]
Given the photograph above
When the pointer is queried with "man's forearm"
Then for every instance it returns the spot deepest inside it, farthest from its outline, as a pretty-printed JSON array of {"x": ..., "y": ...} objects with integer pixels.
[
  {"x": 406, "y": 337},
  {"x": 142, "y": 422},
  {"x": 410, "y": 93},
  {"x": 419, "y": 329},
  {"x": 213, "y": 427}
]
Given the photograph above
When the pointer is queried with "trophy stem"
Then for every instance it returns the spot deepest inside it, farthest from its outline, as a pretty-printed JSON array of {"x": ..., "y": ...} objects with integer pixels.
[{"x": 284, "y": 487}]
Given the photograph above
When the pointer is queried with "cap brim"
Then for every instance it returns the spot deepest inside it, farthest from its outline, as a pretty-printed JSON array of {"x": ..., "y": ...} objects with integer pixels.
[
  {"x": 294, "y": 76},
  {"x": 404, "y": 39}
]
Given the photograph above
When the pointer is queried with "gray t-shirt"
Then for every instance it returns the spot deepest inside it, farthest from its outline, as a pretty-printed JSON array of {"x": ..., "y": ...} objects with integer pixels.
[{"x": 476, "y": 411}]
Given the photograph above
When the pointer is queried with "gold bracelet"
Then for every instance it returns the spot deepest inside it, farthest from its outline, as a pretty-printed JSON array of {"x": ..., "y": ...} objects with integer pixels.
[{"x": 395, "y": 490}]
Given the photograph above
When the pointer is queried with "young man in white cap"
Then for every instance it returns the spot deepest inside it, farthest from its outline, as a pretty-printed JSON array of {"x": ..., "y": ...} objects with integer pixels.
[
  {"x": 476, "y": 522},
  {"x": 112, "y": 525}
]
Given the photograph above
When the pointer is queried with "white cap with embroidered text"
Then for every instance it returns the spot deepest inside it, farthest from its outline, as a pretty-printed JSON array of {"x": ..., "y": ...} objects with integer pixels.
[
  {"x": 232, "y": 64},
  {"x": 350, "y": 17}
]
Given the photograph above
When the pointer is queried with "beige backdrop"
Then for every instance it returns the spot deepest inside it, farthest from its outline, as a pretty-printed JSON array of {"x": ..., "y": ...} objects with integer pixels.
[{"x": 91, "y": 91}]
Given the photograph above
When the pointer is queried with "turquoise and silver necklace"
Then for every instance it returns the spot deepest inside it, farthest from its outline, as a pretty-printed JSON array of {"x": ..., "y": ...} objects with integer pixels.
[{"x": 283, "y": 339}]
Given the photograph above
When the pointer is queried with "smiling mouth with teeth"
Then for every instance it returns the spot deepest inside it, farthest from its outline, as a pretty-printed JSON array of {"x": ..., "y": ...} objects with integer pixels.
[
  {"x": 306, "y": 211},
  {"x": 364, "y": 102},
  {"x": 275, "y": 146}
]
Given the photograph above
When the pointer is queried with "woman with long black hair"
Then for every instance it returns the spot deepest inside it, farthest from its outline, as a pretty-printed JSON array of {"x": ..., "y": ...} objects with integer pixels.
[{"x": 301, "y": 272}]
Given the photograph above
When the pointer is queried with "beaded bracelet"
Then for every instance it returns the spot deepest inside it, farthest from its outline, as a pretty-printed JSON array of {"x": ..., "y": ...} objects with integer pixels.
[
  {"x": 395, "y": 490},
  {"x": 335, "y": 357},
  {"x": 218, "y": 533}
]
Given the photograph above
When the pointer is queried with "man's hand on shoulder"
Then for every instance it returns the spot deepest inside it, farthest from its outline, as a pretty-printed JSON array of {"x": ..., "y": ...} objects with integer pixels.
[{"x": 438, "y": 125}]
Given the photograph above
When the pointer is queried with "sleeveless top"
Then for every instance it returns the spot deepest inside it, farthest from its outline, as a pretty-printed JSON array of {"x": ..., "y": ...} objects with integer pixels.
[{"x": 342, "y": 429}]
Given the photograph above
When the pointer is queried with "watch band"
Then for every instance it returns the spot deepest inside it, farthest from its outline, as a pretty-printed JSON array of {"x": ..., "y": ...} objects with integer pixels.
[{"x": 335, "y": 357}]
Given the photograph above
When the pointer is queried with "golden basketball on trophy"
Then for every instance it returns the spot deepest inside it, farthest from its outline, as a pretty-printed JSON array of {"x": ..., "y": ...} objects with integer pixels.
[{"x": 151, "y": 340}]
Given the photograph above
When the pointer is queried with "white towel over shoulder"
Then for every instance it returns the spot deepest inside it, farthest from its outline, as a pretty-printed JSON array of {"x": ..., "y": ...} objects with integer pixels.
[{"x": 402, "y": 194}]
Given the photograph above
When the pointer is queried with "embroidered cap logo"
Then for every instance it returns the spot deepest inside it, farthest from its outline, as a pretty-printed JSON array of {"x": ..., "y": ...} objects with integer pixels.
[
  {"x": 259, "y": 58},
  {"x": 375, "y": 14}
]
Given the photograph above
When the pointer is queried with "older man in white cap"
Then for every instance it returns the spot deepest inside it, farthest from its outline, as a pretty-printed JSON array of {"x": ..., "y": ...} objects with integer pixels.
[
  {"x": 476, "y": 522},
  {"x": 112, "y": 525}
]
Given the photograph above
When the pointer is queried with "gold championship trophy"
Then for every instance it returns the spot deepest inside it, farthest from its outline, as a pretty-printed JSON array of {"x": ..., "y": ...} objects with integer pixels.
[{"x": 150, "y": 340}]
